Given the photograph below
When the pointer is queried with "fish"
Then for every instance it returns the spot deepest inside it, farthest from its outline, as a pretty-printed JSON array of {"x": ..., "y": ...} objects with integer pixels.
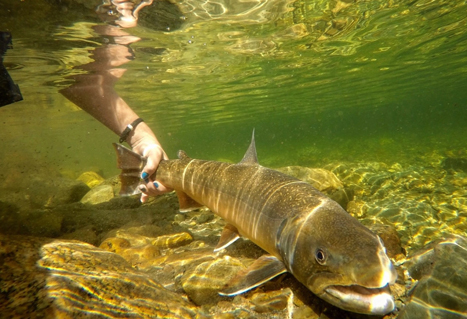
[{"x": 304, "y": 232}]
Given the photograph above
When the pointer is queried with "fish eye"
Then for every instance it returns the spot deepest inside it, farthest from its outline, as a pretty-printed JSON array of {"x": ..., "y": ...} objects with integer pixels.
[{"x": 320, "y": 256}]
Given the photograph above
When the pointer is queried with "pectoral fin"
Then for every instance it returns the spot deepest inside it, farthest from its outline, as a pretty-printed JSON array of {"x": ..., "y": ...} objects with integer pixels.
[
  {"x": 263, "y": 269},
  {"x": 228, "y": 236},
  {"x": 186, "y": 203}
]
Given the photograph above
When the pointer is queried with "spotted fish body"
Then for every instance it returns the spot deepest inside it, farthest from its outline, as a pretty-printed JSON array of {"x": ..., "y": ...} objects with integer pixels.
[{"x": 305, "y": 232}]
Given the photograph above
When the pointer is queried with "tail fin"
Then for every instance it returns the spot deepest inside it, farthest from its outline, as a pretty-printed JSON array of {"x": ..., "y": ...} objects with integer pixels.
[{"x": 131, "y": 165}]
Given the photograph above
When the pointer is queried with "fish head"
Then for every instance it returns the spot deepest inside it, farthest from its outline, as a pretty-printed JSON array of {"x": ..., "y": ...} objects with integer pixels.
[{"x": 340, "y": 260}]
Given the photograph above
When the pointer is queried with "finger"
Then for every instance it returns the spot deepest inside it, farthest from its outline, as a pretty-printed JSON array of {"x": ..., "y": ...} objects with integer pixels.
[
  {"x": 152, "y": 189},
  {"x": 144, "y": 198},
  {"x": 143, "y": 188},
  {"x": 156, "y": 188},
  {"x": 154, "y": 154},
  {"x": 161, "y": 188}
]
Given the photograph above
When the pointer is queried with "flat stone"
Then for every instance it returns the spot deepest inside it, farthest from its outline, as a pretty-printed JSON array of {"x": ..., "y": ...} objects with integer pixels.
[
  {"x": 163, "y": 241},
  {"x": 98, "y": 194},
  {"x": 47, "y": 278},
  {"x": 203, "y": 282},
  {"x": 141, "y": 254}
]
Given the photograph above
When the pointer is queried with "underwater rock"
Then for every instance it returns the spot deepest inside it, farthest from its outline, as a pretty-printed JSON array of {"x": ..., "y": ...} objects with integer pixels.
[
  {"x": 78, "y": 215},
  {"x": 321, "y": 179},
  {"x": 9, "y": 218},
  {"x": 422, "y": 202},
  {"x": 273, "y": 301},
  {"x": 136, "y": 233},
  {"x": 56, "y": 191},
  {"x": 42, "y": 223},
  {"x": 92, "y": 179},
  {"x": 441, "y": 290},
  {"x": 46, "y": 278},
  {"x": 140, "y": 254},
  {"x": 86, "y": 234},
  {"x": 119, "y": 202},
  {"x": 455, "y": 163},
  {"x": 142, "y": 251},
  {"x": 390, "y": 237},
  {"x": 203, "y": 282},
  {"x": 99, "y": 194},
  {"x": 357, "y": 208},
  {"x": 167, "y": 269},
  {"x": 172, "y": 241},
  {"x": 163, "y": 241},
  {"x": 115, "y": 245}
]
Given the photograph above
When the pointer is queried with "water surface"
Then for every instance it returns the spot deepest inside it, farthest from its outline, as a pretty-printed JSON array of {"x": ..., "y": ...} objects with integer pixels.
[{"x": 321, "y": 81}]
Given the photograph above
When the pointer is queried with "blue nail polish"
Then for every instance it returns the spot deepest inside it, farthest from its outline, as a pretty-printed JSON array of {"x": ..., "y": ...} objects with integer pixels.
[
  {"x": 156, "y": 185},
  {"x": 145, "y": 177}
]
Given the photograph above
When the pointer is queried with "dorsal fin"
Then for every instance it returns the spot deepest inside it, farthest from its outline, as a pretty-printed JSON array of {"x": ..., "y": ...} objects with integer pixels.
[
  {"x": 250, "y": 156},
  {"x": 182, "y": 155}
]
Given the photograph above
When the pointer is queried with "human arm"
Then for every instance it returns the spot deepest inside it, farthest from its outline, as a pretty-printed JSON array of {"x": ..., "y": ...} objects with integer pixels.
[{"x": 94, "y": 93}]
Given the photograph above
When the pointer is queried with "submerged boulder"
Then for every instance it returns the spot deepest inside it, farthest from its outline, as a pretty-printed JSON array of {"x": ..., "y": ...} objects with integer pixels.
[
  {"x": 203, "y": 282},
  {"x": 99, "y": 194},
  {"x": 441, "y": 290},
  {"x": 47, "y": 278},
  {"x": 47, "y": 192},
  {"x": 323, "y": 180}
]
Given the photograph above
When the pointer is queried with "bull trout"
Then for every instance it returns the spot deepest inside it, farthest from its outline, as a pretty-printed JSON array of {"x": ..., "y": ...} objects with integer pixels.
[{"x": 306, "y": 233}]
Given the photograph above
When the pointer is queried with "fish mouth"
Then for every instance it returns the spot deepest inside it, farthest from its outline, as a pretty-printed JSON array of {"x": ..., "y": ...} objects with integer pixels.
[{"x": 355, "y": 298}]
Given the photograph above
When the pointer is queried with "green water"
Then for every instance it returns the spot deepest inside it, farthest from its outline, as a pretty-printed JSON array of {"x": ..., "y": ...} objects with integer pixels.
[{"x": 321, "y": 82}]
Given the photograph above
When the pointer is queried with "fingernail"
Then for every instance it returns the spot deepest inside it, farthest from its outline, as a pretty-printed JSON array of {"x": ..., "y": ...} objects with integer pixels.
[
  {"x": 156, "y": 185},
  {"x": 145, "y": 177}
]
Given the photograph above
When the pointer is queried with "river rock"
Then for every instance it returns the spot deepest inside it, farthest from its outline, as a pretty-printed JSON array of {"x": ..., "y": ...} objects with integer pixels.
[
  {"x": 421, "y": 202},
  {"x": 86, "y": 234},
  {"x": 320, "y": 178},
  {"x": 53, "y": 192},
  {"x": 273, "y": 301},
  {"x": 99, "y": 194},
  {"x": 441, "y": 290},
  {"x": 390, "y": 238},
  {"x": 203, "y": 282},
  {"x": 92, "y": 179},
  {"x": 47, "y": 278},
  {"x": 323, "y": 180},
  {"x": 455, "y": 163},
  {"x": 42, "y": 223}
]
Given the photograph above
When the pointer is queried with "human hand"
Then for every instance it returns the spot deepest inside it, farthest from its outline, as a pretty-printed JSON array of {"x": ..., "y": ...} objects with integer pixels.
[
  {"x": 148, "y": 146},
  {"x": 154, "y": 154}
]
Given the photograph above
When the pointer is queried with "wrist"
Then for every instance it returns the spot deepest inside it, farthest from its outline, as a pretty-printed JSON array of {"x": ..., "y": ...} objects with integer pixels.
[
  {"x": 129, "y": 129},
  {"x": 141, "y": 138}
]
